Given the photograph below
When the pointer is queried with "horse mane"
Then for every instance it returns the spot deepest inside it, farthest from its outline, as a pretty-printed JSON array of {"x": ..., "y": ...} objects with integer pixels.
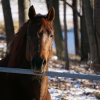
[{"x": 16, "y": 49}]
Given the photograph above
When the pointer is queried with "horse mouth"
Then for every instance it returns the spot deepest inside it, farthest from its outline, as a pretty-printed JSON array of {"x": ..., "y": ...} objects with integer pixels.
[
  {"x": 38, "y": 72},
  {"x": 38, "y": 69},
  {"x": 38, "y": 66}
]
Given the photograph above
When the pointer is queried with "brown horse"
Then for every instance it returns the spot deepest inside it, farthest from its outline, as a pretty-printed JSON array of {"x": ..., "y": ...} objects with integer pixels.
[{"x": 30, "y": 49}]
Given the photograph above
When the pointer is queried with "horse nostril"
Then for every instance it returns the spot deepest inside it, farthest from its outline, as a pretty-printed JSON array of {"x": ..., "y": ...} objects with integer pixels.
[{"x": 44, "y": 62}]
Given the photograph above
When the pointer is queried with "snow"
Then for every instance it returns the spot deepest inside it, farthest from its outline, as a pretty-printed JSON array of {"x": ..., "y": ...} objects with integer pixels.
[
  {"x": 54, "y": 57},
  {"x": 61, "y": 88},
  {"x": 3, "y": 45}
]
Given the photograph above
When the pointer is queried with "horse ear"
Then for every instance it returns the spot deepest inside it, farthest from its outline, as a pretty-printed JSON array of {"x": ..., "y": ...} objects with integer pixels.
[
  {"x": 51, "y": 14},
  {"x": 31, "y": 12}
]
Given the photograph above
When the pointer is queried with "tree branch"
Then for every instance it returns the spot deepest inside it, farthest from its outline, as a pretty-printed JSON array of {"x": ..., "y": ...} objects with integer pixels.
[{"x": 73, "y": 8}]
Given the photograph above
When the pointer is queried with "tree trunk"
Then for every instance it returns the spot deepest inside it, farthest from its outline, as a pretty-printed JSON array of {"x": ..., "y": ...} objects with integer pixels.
[
  {"x": 84, "y": 40},
  {"x": 97, "y": 24},
  {"x": 23, "y": 11},
  {"x": 76, "y": 32},
  {"x": 58, "y": 32},
  {"x": 65, "y": 31},
  {"x": 92, "y": 10},
  {"x": 90, "y": 30},
  {"x": 9, "y": 28}
]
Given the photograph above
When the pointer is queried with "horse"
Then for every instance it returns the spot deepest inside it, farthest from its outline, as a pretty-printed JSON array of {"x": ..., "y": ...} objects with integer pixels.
[{"x": 31, "y": 48}]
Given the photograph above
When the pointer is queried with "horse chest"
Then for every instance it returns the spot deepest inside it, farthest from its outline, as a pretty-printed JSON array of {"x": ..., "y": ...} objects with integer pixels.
[{"x": 30, "y": 87}]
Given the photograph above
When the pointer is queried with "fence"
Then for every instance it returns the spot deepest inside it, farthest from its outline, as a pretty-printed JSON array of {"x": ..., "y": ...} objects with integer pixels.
[{"x": 49, "y": 73}]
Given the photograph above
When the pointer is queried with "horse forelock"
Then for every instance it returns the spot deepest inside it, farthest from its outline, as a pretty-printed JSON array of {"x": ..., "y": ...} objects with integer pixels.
[{"x": 41, "y": 21}]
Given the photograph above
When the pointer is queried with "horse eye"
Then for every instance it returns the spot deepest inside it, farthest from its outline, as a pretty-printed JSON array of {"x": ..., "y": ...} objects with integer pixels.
[{"x": 51, "y": 35}]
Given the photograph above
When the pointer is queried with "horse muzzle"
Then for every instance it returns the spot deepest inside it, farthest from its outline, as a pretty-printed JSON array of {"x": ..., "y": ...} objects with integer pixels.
[{"x": 38, "y": 65}]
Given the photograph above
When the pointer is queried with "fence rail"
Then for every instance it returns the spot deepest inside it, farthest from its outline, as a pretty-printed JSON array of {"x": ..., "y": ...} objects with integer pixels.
[{"x": 49, "y": 73}]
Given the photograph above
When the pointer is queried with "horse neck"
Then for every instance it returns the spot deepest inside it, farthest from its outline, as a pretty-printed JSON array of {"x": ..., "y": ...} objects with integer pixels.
[
  {"x": 36, "y": 83},
  {"x": 43, "y": 83}
]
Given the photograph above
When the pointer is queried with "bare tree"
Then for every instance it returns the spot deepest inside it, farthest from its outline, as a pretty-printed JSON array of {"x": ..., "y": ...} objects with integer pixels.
[
  {"x": 76, "y": 32},
  {"x": 90, "y": 29},
  {"x": 85, "y": 49},
  {"x": 97, "y": 23},
  {"x": 65, "y": 31},
  {"x": 9, "y": 28},
  {"x": 23, "y": 11}
]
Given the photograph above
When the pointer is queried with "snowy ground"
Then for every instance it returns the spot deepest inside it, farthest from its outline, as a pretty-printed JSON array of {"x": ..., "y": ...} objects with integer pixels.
[{"x": 62, "y": 88}]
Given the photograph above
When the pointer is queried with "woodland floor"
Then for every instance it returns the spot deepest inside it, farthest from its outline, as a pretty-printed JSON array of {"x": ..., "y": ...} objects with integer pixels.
[{"x": 62, "y": 88}]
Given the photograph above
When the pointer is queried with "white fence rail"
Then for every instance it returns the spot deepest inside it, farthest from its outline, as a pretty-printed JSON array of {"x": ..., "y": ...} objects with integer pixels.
[{"x": 49, "y": 73}]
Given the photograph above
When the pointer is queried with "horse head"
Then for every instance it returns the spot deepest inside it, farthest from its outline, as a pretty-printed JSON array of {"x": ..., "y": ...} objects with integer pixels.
[{"x": 40, "y": 33}]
